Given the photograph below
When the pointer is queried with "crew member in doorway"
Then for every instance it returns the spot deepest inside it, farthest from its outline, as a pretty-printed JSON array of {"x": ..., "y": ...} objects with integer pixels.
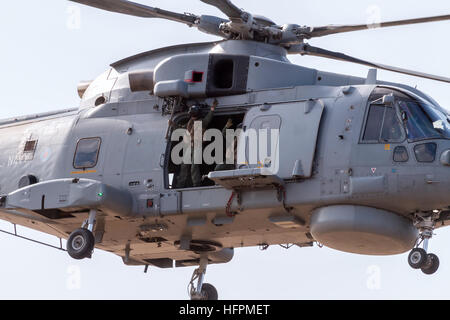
[
  {"x": 193, "y": 170},
  {"x": 231, "y": 149}
]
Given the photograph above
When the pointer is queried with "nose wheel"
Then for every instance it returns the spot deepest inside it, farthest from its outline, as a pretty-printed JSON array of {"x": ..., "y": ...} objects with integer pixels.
[
  {"x": 431, "y": 265},
  {"x": 201, "y": 291},
  {"x": 427, "y": 262},
  {"x": 418, "y": 258}
]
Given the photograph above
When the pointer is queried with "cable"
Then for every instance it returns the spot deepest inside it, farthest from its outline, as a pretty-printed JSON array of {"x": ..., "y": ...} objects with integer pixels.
[{"x": 228, "y": 207}]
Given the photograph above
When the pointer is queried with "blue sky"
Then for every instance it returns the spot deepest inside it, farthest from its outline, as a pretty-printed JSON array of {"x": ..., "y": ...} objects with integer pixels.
[{"x": 43, "y": 57}]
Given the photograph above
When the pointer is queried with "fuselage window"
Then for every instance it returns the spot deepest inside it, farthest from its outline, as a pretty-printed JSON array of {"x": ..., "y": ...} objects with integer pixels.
[
  {"x": 401, "y": 154},
  {"x": 425, "y": 152},
  {"x": 382, "y": 125},
  {"x": 86, "y": 154},
  {"x": 30, "y": 146}
]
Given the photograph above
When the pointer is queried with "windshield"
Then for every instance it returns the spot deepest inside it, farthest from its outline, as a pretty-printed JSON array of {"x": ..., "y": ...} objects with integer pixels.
[{"x": 423, "y": 121}]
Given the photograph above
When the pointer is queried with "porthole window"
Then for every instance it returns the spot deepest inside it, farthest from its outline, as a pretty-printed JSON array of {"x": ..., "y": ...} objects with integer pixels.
[
  {"x": 86, "y": 154},
  {"x": 401, "y": 154},
  {"x": 99, "y": 101},
  {"x": 425, "y": 152}
]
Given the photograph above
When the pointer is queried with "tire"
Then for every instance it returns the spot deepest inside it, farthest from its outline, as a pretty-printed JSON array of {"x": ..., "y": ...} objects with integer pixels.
[
  {"x": 432, "y": 264},
  {"x": 417, "y": 258},
  {"x": 209, "y": 292},
  {"x": 80, "y": 244}
]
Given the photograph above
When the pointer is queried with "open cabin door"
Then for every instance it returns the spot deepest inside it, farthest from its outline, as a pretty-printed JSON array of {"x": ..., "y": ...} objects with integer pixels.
[
  {"x": 284, "y": 147},
  {"x": 290, "y": 151}
]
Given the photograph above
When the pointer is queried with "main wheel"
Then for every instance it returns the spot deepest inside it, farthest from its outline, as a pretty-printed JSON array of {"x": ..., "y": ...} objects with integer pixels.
[
  {"x": 209, "y": 292},
  {"x": 417, "y": 258},
  {"x": 432, "y": 264},
  {"x": 80, "y": 244}
]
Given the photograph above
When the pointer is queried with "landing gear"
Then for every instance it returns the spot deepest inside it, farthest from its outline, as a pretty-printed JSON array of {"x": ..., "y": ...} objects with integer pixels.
[
  {"x": 81, "y": 242},
  {"x": 431, "y": 265},
  {"x": 203, "y": 291},
  {"x": 418, "y": 258},
  {"x": 209, "y": 292}
]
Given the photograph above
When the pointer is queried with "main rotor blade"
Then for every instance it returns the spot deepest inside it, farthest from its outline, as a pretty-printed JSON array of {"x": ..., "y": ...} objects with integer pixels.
[
  {"x": 327, "y": 30},
  {"x": 227, "y": 7},
  {"x": 138, "y": 10},
  {"x": 318, "y": 52}
]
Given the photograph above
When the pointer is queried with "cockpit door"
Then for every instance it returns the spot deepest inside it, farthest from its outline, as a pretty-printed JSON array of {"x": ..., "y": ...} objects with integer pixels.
[{"x": 286, "y": 138}]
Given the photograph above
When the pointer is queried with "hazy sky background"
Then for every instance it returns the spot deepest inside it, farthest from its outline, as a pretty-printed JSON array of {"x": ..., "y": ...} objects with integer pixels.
[{"x": 47, "y": 50}]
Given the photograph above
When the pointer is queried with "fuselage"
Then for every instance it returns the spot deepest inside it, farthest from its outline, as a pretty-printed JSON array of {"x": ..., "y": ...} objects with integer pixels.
[{"x": 324, "y": 156}]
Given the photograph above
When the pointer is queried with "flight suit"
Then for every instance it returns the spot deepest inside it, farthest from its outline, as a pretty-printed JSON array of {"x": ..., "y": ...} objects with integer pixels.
[
  {"x": 194, "y": 170},
  {"x": 230, "y": 149}
]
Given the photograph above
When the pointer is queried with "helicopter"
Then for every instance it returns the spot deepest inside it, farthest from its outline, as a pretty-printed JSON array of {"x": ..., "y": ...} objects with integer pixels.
[{"x": 102, "y": 175}]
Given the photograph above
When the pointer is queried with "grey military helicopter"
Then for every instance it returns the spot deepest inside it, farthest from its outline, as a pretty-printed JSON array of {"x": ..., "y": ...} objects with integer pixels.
[{"x": 359, "y": 164}]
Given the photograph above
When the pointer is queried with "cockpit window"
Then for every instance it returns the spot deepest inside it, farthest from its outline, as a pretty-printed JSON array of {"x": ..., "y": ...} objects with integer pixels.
[
  {"x": 374, "y": 122},
  {"x": 418, "y": 124},
  {"x": 418, "y": 118},
  {"x": 392, "y": 130},
  {"x": 383, "y": 125}
]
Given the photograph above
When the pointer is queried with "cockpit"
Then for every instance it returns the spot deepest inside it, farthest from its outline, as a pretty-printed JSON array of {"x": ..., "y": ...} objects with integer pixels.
[{"x": 394, "y": 116}]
